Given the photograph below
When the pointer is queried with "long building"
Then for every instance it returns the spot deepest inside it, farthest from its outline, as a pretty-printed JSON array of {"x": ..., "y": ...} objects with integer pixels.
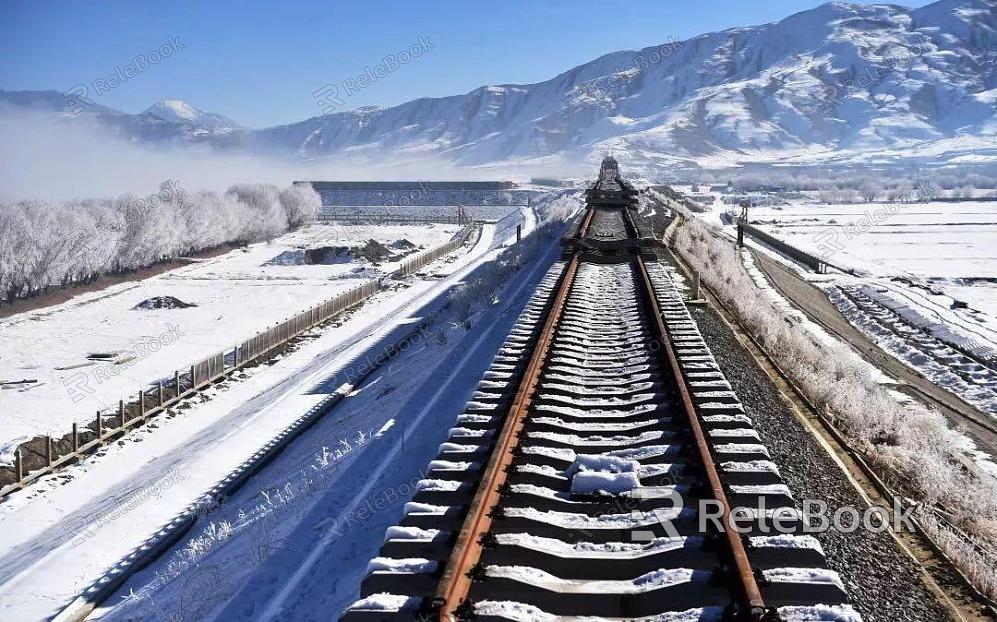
[{"x": 406, "y": 193}]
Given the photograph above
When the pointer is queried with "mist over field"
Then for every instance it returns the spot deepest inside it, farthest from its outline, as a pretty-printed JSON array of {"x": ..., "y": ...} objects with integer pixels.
[{"x": 73, "y": 160}]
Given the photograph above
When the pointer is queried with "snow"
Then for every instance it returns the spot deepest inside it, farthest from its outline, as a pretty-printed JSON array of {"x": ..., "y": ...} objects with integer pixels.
[
  {"x": 179, "y": 111},
  {"x": 760, "y": 489},
  {"x": 413, "y": 507},
  {"x": 803, "y": 575},
  {"x": 841, "y": 83},
  {"x": 573, "y": 520},
  {"x": 900, "y": 292},
  {"x": 236, "y": 296},
  {"x": 645, "y": 583},
  {"x": 437, "y": 485},
  {"x": 597, "y": 462},
  {"x": 541, "y": 469},
  {"x": 396, "y": 532},
  {"x": 750, "y": 466},
  {"x": 410, "y": 565},
  {"x": 386, "y": 602},
  {"x": 41, "y": 522},
  {"x": 884, "y": 241},
  {"x": 520, "y": 612},
  {"x": 734, "y": 433},
  {"x": 587, "y": 482},
  {"x": 459, "y": 448},
  {"x": 575, "y": 440},
  {"x": 940, "y": 363},
  {"x": 449, "y": 465},
  {"x": 786, "y": 541},
  {"x": 591, "y": 550},
  {"x": 740, "y": 448},
  {"x": 280, "y": 557},
  {"x": 819, "y": 613}
]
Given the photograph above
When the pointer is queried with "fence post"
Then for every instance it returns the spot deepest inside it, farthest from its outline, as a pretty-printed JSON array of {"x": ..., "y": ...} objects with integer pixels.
[
  {"x": 176, "y": 382},
  {"x": 76, "y": 437},
  {"x": 160, "y": 393},
  {"x": 695, "y": 285},
  {"x": 18, "y": 465},
  {"x": 48, "y": 451},
  {"x": 100, "y": 429},
  {"x": 193, "y": 377},
  {"x": 121, "y": 413},
  {"x": 141, "y": 403},
  {"x": 519, "y": 233}
]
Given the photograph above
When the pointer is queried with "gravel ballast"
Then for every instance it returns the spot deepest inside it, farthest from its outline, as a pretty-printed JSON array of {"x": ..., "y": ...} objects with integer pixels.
[{"x": 882, "y": 581}]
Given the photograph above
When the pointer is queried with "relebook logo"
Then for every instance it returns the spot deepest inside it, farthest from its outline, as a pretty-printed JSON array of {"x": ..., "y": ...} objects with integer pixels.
[{"x": 814, "y": 517}]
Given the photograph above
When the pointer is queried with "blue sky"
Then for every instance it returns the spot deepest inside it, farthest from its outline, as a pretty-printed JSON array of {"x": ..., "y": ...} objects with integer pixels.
[{"x": 261, "y": 62}]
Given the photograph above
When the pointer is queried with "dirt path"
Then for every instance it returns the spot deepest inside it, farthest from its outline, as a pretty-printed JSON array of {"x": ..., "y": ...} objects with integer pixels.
[{"x": 812, "y": 301}]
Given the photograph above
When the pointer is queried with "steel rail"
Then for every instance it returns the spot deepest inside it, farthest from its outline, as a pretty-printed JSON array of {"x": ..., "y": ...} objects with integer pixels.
[
  {"x": 455, "y": 582},
  {"x": 752, "y": 594}
]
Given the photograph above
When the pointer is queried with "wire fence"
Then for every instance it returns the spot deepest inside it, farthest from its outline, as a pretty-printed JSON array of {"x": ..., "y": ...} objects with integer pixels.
[{"x": 43, "y": 455}]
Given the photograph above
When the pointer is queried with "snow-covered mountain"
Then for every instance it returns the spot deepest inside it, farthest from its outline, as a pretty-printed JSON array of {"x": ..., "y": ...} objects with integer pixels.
[
  {"x": 168, "y": 122},
  {"x": 840, "y": 81},
  {"x": 179, "y": 111}
]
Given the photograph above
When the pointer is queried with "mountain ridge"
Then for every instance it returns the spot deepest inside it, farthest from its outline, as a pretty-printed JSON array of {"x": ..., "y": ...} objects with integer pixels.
[{"x": 836, "y": 81}]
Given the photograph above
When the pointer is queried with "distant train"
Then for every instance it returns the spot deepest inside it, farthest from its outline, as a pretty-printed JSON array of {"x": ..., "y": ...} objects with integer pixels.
[
  {"x": 610, "y": 188},
  {"x": 610, "y": 169}
]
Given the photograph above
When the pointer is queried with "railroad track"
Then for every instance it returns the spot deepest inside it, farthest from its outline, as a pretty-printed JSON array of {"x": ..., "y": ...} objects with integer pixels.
[
  {"x": 977, "y": 372},
  {"x": 576, "y": 481}
]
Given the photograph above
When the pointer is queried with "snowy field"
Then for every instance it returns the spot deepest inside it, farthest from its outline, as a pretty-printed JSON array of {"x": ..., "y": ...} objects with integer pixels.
[
  {"x": 916, "y": 259},
  {"x": 912, "y": 263},
  {"x": 69, "y": 529},
  {"x": 236, "y": 295},
  {"x": 950, "y": 246}
]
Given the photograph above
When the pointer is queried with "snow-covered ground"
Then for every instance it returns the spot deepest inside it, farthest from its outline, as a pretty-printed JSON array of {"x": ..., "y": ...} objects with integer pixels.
[
  {"x": 69, "y": 529},
  {"x": 237, "y": 294},
  {"x": 911, "y": 263},
  {"x": 945, "y": 246}
]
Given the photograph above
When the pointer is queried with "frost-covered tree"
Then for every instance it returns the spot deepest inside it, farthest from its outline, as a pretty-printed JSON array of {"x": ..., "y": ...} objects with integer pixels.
[
  {"x": 44, "y": 245},
  {"x": 870, "y": 190},
  {"x": 300, "y": 203},
  {"x": 268, "y": 216}
]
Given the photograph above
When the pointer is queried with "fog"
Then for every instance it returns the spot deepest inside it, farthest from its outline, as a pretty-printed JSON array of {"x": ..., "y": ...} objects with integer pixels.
[{"x": 71, "y": 158}]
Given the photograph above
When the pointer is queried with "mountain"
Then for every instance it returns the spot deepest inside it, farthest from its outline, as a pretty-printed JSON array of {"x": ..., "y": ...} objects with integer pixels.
[
  {"x": 168, "y": 122},
  {"x": 839, "y": 82},
  {"x": 179, "y": 111}
]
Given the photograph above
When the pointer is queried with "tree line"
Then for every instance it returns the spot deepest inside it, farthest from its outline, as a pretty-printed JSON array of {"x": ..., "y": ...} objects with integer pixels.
[{"x": 45, "y": 245}]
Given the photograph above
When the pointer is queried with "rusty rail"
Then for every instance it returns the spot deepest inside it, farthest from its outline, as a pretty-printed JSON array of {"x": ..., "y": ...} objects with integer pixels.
[
  {"x": 456, "y": 579},
  {"x": 752, "y": 595}
]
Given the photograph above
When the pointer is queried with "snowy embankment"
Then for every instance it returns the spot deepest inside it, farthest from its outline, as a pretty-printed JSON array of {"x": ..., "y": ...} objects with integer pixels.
[
  {"x": 912, "y": 259},
  {"x": 943, "y": 365},
  {"x": 300, "y": 533},
  {"x": 70, "y": 529},
  {"x": 909, "y": 440},
  {"x": 928, "y": 255},
  {"x": 99, "y": 347}
]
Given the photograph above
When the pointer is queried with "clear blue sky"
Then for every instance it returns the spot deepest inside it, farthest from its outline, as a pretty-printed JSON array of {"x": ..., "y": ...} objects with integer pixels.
[{"x": 260, "y": 62}]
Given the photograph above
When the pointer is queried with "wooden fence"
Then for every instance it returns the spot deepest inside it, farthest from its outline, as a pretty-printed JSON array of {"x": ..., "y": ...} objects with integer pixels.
[{"x": 155, "y": 398}]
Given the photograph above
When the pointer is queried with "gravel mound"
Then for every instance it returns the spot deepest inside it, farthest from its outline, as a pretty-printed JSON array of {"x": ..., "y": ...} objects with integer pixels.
[
  {"x": 402, "y": 245},
  {"x": 374, "y": 252},
  {"x": 162, "y": 302},
  {"x": 329, "y": 255}
]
